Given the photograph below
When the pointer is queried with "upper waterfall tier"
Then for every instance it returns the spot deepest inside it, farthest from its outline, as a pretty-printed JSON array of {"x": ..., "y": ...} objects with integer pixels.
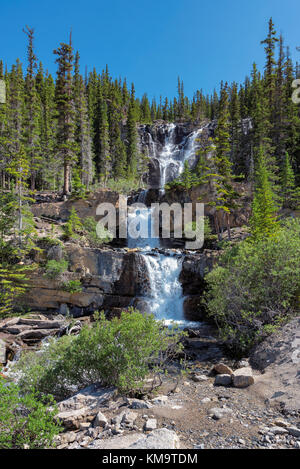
[{"x": 168, "y": 146}]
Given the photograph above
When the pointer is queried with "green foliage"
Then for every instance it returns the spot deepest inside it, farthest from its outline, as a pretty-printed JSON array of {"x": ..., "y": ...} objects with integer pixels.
[
  {"x": 13, "y": 284},
  {"x": 73, "y": 225},
  {"x": 255, "y": 286},
  {"x": 123, "y": 185},
  {"x": 118, "y": 352},
  {"x": 54, "y": 269},
  {"x": 25, "y": 421},
  {"x": 72, "y": 286},
  {"x": 196, "y": 226},
  {"x": 47, "y": 242},
  {"x": 78, "y": 188},
  {"x": 290, "y": 194},
  {"x": 96, "y": 233},
  {"x": 185, "y": 181},
  {"x": 263, "y": 220}
]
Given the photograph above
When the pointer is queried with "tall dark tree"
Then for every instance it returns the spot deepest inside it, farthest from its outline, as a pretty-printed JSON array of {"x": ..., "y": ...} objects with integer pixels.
[{"x": 66, "y": 146}]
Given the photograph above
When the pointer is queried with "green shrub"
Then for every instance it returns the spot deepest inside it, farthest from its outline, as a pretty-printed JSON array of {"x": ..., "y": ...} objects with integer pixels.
[
  {"x": 73, "y": 286},
  {"x": 55, "y": 268},
  {"x": 255, "y": 287},
  {"x": 191, "y": 227},
  {"x": 96, "y": 233},
  {"x": 73, "y": 225},
  {"x": 123, "y": 185},
  {"x": 119, "y": 352},
  {"x": 25, "y": 420},
  {"x": 47, "y": 242},
  {"x": 78, "y": 188}
]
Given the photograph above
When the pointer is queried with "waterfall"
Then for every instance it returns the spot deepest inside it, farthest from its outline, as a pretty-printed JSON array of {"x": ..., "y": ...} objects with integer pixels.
[
  {"x": 166, "y": 157},
  {"x": 189, "y": 149},
  {"x": 164, "y": 298},
  {"x": 173, "y": 156}
]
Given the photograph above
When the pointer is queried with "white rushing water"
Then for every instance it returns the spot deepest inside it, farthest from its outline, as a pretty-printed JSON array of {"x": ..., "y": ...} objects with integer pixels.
[
  {"x": 165, "y": 298},
  {"x": 173, "y": 156}
]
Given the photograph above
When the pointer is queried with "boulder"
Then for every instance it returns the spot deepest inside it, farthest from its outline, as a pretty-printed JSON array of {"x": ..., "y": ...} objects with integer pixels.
[
  {"x": 100, "y": 420},
  {"x": 151, "y": 424},
  {"x": 84, "y": 405},
  {"x": 129, "y": 418},
  {"x": 222, "y": 369},
  {"x": 118, "y": 442},
  {"x": 223, "y": 380},
  {"x": 139, "y": 404},
  {"x": 242, "y": 378},
  {"x": 72, "y": 419},
  {"x": 161, "y": 438}
]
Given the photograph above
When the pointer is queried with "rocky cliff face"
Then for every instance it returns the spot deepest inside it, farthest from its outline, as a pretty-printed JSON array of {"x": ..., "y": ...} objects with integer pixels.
[
  {"x": 110, "y": 279},
  {"x": 169, "y": 145}
]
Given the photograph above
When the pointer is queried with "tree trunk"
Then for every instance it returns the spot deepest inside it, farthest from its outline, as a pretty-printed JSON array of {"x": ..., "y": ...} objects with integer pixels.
[{"x": 66, "y": 189}]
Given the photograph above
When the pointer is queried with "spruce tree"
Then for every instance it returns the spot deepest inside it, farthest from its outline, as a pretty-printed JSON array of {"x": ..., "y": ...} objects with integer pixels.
[
  {"x": 66, "y": 147},
  {"x": 290, "y": 194},
  {"x": 263, "y": 221},
  {"x": 132, "y": 150},
  {"x": 32, "y": 111}
]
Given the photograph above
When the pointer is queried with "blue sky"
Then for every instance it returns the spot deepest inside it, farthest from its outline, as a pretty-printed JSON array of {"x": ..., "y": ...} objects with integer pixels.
[{"x": 152, "y": 42}]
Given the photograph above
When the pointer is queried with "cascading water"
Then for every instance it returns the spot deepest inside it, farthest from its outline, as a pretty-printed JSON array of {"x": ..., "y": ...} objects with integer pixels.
[
  {"x": 165, "y": 298},
  {"x": 173, "y": 156}
]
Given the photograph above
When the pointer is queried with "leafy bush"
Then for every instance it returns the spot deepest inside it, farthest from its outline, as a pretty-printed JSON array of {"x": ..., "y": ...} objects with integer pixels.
[
  {"x": 25, "y": 420},
  {"x": 55, "y": 268},
  {"x": 255, "y": 287},
  {"x": 72, "y": 286},
  {"x": 119, "y": 352}
]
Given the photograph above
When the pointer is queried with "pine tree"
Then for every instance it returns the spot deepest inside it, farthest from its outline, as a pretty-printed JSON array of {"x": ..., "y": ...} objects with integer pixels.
[
  {"x": 32, "y": 111},
  {"x": 290, "y": 194},
  {"x": 105, "y": 157},
  {"x": 132, "y": 150},
  {"x": 235, "y": 130},
  {"x": 66, "y": 147},
  {"x": 263, "y": 221},
  {"x": 225, "y": 194},
  {"x": 269, "y": 89},
  {"x": 82, "y": 127}
]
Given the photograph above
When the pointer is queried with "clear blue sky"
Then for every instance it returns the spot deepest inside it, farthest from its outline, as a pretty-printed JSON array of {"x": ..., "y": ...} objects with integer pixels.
[{"x": 151, "y": 42}]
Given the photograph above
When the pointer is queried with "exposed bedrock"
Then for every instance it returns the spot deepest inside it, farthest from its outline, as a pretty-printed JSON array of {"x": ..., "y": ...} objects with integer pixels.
[
  {"x": 112, "y": 279},
  {"x": 109, "y": 278},
  {"x": 194, "y": 268}
]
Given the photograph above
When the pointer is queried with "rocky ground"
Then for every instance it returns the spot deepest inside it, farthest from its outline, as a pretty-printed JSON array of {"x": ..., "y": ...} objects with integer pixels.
[
  {"x": 220, "y": 403},
  {"x": 198, "y": 414}
]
